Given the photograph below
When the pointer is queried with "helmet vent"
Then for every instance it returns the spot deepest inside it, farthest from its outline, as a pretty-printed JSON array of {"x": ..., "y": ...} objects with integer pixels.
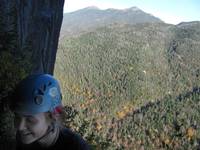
[
  {"x": 40, "y": 92},
  {"x": 49, "y": 83},
  {"x": 38, "y": 99},
  {"x": 44, "y": 87}
]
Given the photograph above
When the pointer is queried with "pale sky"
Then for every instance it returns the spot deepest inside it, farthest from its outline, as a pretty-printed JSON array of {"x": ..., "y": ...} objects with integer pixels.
[{"x": 170, "y": 11}]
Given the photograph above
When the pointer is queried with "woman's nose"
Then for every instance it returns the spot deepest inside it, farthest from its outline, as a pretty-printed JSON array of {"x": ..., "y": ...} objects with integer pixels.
[{"x": 20, "y": 124}]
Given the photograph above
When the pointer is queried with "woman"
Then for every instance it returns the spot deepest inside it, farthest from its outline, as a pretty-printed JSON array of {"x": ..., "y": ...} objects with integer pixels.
[{"x": 37, "y": 107}]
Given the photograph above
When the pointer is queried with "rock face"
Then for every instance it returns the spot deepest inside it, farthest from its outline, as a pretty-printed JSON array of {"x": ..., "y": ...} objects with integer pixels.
[
  {"x": 38, "y": 28},
  {"x": 29, "y": 33}
]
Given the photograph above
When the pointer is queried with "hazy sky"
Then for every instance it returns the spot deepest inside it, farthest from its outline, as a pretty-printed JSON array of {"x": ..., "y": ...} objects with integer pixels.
[{"x": 170, "y": 11}]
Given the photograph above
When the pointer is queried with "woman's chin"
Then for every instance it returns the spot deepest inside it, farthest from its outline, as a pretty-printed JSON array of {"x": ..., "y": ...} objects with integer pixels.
[{"x": 27, "y": 139}]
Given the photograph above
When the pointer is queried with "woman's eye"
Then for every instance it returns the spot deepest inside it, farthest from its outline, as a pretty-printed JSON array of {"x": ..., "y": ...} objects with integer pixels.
[
  {"x": 31, "y": 120},
  {"x": 17, "y": 119}
]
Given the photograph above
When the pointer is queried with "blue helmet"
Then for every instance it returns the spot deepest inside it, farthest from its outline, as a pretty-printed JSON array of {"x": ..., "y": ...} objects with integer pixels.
[{"x": 37, "y": 93}]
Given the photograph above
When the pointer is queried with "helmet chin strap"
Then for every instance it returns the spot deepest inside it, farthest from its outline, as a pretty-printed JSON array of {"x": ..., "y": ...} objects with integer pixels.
[{"x": 50, "y": 129}]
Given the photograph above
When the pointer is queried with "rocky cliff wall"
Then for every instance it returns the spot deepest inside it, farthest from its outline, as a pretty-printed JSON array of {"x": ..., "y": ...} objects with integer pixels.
[{"x": 29, "y": 32}]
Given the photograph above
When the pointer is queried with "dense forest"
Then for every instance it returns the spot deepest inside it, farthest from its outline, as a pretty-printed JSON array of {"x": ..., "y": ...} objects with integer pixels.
[{"x": 132, "y": 85}]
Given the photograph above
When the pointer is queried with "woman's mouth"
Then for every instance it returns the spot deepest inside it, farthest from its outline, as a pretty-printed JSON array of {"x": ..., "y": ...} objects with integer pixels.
[{"x": 24, "y": 133}]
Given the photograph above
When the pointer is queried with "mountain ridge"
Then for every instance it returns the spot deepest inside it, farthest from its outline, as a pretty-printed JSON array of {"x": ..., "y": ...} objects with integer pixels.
[{"x": 93, "y": 17}]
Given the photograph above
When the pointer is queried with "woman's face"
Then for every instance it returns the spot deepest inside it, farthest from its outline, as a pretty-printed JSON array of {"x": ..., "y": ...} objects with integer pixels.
[{"x": 31, "y": 127}]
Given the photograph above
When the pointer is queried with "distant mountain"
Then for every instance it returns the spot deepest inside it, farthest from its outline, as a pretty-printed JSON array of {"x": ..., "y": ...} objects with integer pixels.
[
  {"x": 93, "y": 17},
  {"x": 149, "y": 69},
  {"x": 188, "y": 24}
]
